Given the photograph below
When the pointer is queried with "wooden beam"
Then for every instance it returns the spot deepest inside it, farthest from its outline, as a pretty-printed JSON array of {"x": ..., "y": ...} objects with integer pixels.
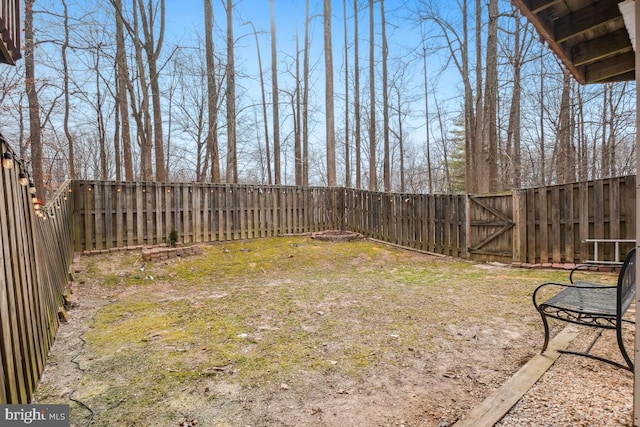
[
  {"x": 496, "y": 406},
  {"x": 611, "y": 44},
  {"x": 610, "y": 67},
  {"x": 537, "y": 6},
  {"x": 546, "y": 32},
  {"x": 585, "y": 19}
]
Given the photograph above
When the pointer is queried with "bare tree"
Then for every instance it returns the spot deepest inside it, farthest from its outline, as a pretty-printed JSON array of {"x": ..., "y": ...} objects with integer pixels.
[
  {"x": 385, "y": 101},
  {"x": 329, "y": 106},
  {"x": 347, "y": 147},
  {"x": 122, "y": 84},
  {"x": 35, "y": 130},
  {"x": 212, "y": 95},
  {"x": 274, "y": 94},
  {"x": 426, "y": 116},
  {"x": 373, "y": 177},
  {"x": 305, "y": 99},
  {"x": 65, "y": 88},
  {"x": 153, "y": 54},
  {"x": 563, "y": 147},
  {"x": 489, "y": 169},
  {"x": 232, "y": 159},
  {"x": 356, "y": 95},
  {"x": 297, "y": 123}
]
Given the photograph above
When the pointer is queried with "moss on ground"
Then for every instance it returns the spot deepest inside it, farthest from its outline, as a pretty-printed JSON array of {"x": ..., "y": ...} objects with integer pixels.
[{"x": 267, "y": 311}]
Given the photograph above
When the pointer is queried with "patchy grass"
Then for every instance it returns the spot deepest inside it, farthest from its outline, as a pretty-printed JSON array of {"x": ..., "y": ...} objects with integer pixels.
[{"x": 212, "y": 336}]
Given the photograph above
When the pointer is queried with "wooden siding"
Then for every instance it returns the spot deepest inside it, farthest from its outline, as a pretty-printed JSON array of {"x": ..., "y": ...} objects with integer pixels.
[{"x": 10, "y": 31}]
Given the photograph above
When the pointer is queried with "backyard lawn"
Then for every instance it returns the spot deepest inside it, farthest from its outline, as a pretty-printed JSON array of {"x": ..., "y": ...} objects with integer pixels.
[{"x": 290, "y": 331}]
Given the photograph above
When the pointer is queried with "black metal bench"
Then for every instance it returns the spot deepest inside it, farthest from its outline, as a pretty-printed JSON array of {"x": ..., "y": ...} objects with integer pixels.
[{"x": 592, "y": 304}]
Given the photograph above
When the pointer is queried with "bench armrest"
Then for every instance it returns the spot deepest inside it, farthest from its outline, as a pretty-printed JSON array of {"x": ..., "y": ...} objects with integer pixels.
[{"x": 578, "y": 268}]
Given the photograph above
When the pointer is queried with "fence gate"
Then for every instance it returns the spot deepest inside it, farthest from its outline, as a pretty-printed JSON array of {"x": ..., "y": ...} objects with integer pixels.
[{"x": 489, "y": 228}]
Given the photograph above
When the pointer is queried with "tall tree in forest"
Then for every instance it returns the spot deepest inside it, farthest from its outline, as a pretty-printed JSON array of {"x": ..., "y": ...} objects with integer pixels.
[
  {"x": 265, "y": 121},
  {"x": 138, "y": 96},
  {"x": 65, "y": 88},
  {"x": 297, "y": 123},
  {"x": 373, "y": 178},
  {"x": 152, "y": 49},
  {"x": 477, "y": 177},
  {"x": 426, "y": 117},
  {"x": 457, "y": 42},
  {"x": 122, "y": 84},
  {"x": 329, "y": 105},
  {"x": 275, "y": 96},
  {"x": 35, "y": 129},
  {"x": 232, "y": 159},
  {"x": 564, "y": 162},
  {"x": 212, "y": 94},
  {"x": 102, "y": 143},
  {"x": 356, "y": 95},
  {"x": 513, "y": 164},
  {"x": 385, "y": 102},
  {"x": 489, "y": 166},
  {"x": 305, "y": 99},
  {"x": 347, "y": 147},
  {"x": 543, "y": 173}
]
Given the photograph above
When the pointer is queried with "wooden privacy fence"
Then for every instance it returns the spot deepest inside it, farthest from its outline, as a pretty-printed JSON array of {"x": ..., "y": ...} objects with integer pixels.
[
  {"x": 534, "y": 226},
  {"x": 110, "y": 214},
  {"x": 36, "y": 254}
]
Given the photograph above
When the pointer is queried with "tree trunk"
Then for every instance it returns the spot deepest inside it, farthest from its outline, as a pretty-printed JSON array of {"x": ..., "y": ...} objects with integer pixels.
[
  {"x": 513, "y": 172},
  {"x": 152, "y": 51},
  {"x": 347, "y": 147},
  {"x": 426, "y": 119},
  {"x": 232, "y": 165},
  {"x": 356, "y": 95},
  {"x": 329, "y": 106},
  {"x": 470, "y": 137},
  {"x": 489, "y": 117},
  {"x": 563, "y": 147},
  {"x": 65, "y": 72},
  {"x": 385, "y": 103},
  {"x": 35, "y": 130},
  {"x": 543, "y": 175},
  {"x": 305, "y": 100},
  {"x": 297, "y": 112},
  {"x": 212, "y": 94},
  {"x": 100, "y": 123},
  {"x": 373, "y": 179},
  {"x": 122, "y": 73},
  {"x": 276, "y": 104}
]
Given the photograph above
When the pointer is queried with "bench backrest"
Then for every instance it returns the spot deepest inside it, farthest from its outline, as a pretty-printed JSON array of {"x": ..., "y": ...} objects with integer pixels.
[{"x": 627, "y": 283}]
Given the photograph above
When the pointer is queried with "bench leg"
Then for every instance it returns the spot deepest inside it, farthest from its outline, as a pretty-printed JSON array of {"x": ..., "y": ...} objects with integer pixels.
[
  {"x": 623, "y": 350},
  {"x": 546, "y": 332}
]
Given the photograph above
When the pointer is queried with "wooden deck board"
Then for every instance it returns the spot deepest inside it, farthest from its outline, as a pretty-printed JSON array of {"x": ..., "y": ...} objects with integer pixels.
[{"x": 496, "y": 405}]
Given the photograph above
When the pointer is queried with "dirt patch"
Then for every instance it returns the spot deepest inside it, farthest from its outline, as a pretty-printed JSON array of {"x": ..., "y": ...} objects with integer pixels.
[
  {"x": 336, "y": 236},
  {"x": 290, "y": 332}
]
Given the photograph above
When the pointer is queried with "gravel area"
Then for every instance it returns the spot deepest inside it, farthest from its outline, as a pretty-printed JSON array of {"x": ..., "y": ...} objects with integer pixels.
[{"x": 579, "y": 392}]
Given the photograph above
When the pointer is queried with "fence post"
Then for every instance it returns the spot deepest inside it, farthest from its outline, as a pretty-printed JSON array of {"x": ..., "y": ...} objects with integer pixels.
[
  {"x": 515, "y": 204},
  {"x": 467, "y": 225}
]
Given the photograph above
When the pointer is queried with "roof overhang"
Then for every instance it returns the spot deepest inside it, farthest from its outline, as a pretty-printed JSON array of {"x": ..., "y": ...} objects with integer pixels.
[{"x": 589, "y": 36}]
